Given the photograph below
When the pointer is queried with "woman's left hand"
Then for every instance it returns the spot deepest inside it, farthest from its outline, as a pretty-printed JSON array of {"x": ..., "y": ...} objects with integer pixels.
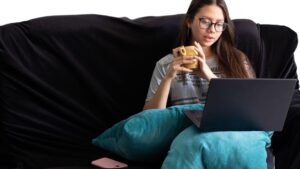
[{"x": 204, "y": 70}]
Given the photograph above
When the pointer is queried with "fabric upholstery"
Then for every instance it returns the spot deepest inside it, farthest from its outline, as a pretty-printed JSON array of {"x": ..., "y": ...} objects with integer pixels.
[
  {"x": 218, "y": 150},
  {"x": 146, "y": 136},
  {"x": 65, "y": 79}
]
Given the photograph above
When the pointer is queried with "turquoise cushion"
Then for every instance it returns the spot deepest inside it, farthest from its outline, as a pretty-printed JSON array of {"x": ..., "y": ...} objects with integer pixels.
[
  {"x": 146, "y": 136},
  {"x": 192, "y": 149}
]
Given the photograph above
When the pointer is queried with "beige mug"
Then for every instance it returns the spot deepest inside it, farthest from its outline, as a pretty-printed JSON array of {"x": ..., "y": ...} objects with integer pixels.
[{"x": 189, "y": 51}]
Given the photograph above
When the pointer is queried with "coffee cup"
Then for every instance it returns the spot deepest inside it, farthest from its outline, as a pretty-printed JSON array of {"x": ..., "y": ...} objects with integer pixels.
[{"x": 189, "y": 51}]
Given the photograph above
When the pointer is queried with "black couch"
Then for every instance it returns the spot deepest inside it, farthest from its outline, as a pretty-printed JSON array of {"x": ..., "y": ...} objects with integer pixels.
[{"x": 65, "y": 79}]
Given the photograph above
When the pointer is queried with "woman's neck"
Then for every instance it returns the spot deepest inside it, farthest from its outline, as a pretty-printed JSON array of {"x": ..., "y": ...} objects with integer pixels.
[{"x": 209, "y": 53}]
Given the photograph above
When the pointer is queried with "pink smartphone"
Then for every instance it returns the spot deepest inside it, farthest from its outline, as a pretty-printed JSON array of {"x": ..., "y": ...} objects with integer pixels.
[{"x": 108, "y": 163}]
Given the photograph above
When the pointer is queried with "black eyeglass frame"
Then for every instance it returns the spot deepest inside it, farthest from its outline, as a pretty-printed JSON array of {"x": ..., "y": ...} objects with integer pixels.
[{"x": 210, "y": 24}]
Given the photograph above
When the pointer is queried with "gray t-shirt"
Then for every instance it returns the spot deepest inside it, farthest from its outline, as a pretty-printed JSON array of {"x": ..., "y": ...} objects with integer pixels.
[{"x": 186, "y": 88}]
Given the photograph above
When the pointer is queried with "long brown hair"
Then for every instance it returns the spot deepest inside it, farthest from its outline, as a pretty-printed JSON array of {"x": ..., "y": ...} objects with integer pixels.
[{"x": 231, "y": 60}]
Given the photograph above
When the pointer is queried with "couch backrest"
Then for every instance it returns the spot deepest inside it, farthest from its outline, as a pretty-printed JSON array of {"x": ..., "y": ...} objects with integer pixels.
[
  {"x": 269, "y": 47},
  {"x": 65, "y": 79}
]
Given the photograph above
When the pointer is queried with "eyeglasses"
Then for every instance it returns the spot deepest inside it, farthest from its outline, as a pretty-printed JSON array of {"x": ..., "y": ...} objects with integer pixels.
[{"x": 206, "y": 23}]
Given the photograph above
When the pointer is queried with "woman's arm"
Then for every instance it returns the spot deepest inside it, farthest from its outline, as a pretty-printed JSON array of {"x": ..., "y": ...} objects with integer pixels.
[
  {"x": 250, "y": 70},
  {"x": 204, "y": 70},
  {"x": 160, "y": 98},
  {"x": 248, "y": 67}
]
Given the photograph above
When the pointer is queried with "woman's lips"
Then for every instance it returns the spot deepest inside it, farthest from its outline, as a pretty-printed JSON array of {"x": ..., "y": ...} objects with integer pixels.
[{"x": 208, "y": 38}]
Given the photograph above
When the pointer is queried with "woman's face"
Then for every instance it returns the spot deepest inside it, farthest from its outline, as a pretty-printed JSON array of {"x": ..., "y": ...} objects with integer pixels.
[{"x": 202, "y": 30}]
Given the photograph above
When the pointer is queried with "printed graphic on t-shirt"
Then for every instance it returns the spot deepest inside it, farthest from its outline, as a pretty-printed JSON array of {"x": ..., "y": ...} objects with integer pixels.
[{"x": 189, "y": 88}]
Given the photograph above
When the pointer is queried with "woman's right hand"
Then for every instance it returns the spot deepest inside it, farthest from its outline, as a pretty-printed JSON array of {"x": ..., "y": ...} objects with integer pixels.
[{"x": 177, "y": 63}]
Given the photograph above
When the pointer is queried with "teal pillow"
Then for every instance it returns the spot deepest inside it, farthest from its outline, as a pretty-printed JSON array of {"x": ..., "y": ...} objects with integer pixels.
[
  {"x": 192, "y": 149},
  {"x": 146, "y": 136}
]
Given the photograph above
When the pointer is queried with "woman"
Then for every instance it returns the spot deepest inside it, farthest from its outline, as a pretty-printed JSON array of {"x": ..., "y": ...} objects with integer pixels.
[{"x": 208, "y": 27}]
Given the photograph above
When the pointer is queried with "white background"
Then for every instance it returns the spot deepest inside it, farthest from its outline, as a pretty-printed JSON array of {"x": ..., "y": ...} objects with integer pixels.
[{"x": 261, "y": 11}]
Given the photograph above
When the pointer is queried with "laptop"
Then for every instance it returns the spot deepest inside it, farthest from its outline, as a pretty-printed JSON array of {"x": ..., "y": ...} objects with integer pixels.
[{"x": 245, "y": 105}]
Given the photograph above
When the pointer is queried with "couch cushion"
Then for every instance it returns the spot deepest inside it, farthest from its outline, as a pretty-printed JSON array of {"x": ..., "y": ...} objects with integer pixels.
[
  {"x": 146, "y": 136},
  {"x": 218, "y": 150}
]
